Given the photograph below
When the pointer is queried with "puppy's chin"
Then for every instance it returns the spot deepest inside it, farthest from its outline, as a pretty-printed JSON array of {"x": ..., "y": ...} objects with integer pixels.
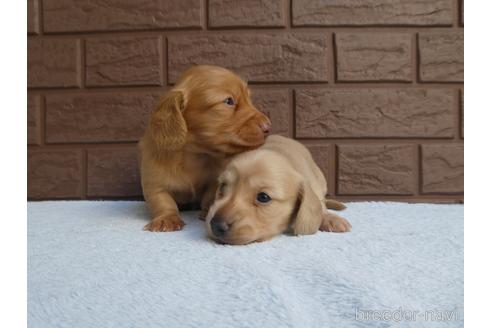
[
  {"x": 238, "y": 145},
  {"x": 223, "y": 144},
  {"x": 233, "y": 147},
  {"x": 232, "y": 241}
]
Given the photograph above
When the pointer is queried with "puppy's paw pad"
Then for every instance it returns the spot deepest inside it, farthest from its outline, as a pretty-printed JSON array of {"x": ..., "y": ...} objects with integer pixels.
[
  {"x": 165, "y": 224},
  {"x": 335, "y": 224}
]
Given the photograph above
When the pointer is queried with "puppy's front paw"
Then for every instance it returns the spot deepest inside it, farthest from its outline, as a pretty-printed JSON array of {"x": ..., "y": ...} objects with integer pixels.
[
  {"x": 203, "y": 214},
  {"x": 335, "y": 223},
  {"x": 165, "y": 223}
]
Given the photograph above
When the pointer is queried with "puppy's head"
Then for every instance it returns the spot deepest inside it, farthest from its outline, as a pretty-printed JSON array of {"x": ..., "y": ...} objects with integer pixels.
[
  {"x": 210, "y": 108},
  {"x": 259, "y": 196}
]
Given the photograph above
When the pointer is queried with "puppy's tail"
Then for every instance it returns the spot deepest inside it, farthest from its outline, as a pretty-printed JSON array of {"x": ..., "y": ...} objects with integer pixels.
[{"x": 334, "y": 205}]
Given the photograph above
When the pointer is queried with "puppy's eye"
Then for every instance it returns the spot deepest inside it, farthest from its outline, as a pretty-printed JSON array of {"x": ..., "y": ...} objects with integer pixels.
[
  {"x": 222, "y": 187},
  {"x": 230, "y": 101},
  {"x": 263, "y": 197}
]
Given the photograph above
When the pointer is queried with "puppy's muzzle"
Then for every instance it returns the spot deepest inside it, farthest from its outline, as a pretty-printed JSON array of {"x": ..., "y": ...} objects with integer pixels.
[{"x": 219, "y": 226}]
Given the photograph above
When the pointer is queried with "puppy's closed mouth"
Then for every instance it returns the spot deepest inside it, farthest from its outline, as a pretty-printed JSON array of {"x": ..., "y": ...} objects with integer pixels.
[{"x": 230, "y": 239}]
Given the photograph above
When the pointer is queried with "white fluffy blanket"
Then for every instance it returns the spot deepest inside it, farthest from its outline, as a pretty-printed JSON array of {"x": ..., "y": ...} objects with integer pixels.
[{"x": 90, "y": 264}]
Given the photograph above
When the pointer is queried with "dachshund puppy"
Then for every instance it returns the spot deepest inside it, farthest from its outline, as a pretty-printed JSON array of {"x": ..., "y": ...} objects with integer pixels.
[
  {"x": 271, "y": 190},
  {"x": 196, "y": 127}
]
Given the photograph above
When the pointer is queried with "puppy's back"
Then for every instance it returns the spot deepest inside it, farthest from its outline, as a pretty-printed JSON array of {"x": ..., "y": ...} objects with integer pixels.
[{"x": 301, "y": 160}]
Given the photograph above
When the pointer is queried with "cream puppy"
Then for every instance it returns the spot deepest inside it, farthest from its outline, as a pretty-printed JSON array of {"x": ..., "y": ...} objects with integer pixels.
[{"x": 273, "y": 189}]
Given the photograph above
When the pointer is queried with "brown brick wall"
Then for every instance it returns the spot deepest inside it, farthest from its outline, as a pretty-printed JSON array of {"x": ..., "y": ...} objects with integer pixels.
[{"x": 374, "y": 88}]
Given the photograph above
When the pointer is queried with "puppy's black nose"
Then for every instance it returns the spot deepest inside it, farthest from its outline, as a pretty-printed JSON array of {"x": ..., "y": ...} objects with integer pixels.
[{"x": 219, "y": 226}]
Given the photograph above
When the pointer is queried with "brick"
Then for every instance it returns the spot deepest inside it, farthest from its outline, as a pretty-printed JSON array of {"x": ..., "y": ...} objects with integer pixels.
[
  {"x": 321, "y": 155},
  {"x": 123, "y": 61},
  {"x": 78, "y": 16},
  {"x": 257, "y": 13},
  {"x": 374, "y": 57},
  {"x": 375, "y": 169},
  {"x": 441, "y": 56},
  {"x": 275, "y": 105},
  {"x": 33, "y": 120},
  {"x": 98, "y": 117},
  {"x": 356, "y": 113},
  {"x": 113, "y": 173},
  {"x": 53, "y": 63},
  {"x": 54, "y": 174},
  {"x": 273, "y": 58},
  {"x": 372, "y": 12},
  {"x": 442, "y": 168},
  {"x": 32, "y": 17}
]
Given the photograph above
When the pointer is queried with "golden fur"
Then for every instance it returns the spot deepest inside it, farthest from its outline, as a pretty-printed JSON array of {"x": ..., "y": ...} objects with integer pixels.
[
  {"x": 284, "y": 170},
  {"x": 192, "y": 133}
]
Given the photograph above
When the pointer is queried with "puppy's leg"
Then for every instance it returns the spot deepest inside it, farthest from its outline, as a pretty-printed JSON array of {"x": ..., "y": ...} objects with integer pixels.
[
  {"x": 207, "y": 200},
  {"x": 334, "y": 223},
  {"x": 334, "y": 204},
  {"x": 164, "y": 213}
]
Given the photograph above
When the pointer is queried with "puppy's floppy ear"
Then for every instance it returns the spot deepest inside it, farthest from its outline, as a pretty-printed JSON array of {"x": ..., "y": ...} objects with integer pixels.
[
  {"x": 167, "y": 125},
  {"x": 309, "y": 213}
]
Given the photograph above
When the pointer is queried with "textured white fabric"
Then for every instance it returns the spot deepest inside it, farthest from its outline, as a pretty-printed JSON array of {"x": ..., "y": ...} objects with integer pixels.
[{"x": 90, "y": 264}]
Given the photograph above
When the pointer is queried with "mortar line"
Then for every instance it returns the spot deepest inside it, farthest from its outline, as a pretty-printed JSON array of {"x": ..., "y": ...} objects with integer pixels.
[
  {"x": 40, "y": 17},
  {"x": 206, "y": 15},
  {"x": 163, "y": 59},
  {"x": 294, "y": 113},
  {"x": 42, "y": 123},
  {"x": 288, "y": 14},
  {"x": 82, "y": 63},
  {"x": 332, "y": 59},
  {"x": 418, "y": 171},
  {"x": 456, "y": 114},
  {"x": 105, "y": 34},
  {"x": 84, "y": 174},
  {"x": 415, "y": 59}
]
